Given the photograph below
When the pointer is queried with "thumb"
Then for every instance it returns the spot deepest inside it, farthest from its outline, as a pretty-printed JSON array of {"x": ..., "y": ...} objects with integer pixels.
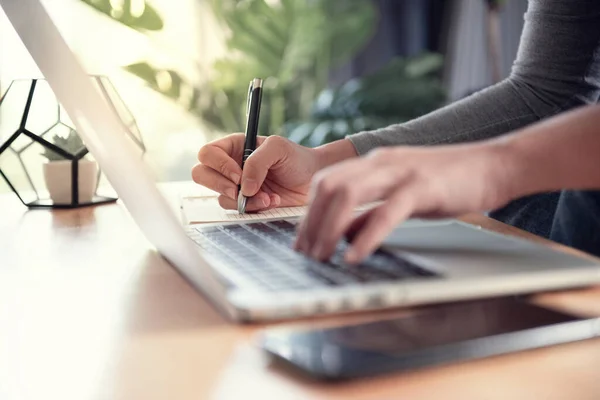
[{"x": 256, "y": 167}]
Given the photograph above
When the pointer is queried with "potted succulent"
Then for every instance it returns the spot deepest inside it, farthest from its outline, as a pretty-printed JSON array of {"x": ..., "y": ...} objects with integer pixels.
[{"x": 57, "y": 171}]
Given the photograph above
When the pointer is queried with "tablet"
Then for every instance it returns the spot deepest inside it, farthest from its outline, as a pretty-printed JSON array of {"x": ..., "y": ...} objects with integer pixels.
[{"x": 425, "y": 337}]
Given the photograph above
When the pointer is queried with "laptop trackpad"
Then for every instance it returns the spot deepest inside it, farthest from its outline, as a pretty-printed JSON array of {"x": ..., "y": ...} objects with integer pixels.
[
  {"x": 449, "y": 235},
  {"x": 464, "y": 246}
]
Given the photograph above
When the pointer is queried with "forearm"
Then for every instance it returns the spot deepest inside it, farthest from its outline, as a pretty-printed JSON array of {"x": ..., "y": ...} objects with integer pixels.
[
  {"x": 492, "y": 112},
  {"x": 560, "y": 153}
]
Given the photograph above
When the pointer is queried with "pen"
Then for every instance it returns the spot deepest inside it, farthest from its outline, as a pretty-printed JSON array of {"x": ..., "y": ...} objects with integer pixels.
[{"x": 252, "y": 115}]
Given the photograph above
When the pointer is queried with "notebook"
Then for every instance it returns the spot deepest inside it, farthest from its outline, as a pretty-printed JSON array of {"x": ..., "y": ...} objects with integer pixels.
[{"x": 203, "y": 207}]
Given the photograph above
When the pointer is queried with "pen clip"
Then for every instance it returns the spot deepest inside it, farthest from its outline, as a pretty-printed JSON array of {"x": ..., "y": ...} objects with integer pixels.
[{"x": 250, "y": 89}]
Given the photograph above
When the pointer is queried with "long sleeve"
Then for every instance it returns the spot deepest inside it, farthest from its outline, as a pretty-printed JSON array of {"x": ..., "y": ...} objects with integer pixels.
[{"x": 557, "y": 69}]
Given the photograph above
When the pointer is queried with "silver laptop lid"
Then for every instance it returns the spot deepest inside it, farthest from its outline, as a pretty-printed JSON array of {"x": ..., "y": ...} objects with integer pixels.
[{"x": 102, "y": 133}]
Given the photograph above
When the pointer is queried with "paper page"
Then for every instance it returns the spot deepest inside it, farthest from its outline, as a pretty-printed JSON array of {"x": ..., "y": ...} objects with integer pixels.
[{"x": 206, "y": 209}]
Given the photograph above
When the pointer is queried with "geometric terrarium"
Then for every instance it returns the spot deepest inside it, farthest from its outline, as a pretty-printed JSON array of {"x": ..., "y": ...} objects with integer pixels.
[{"x": 42, "y": 158}]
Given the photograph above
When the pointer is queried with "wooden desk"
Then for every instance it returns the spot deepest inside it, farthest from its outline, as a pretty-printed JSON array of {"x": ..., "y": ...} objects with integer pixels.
[{"x": 89, "y": 311}]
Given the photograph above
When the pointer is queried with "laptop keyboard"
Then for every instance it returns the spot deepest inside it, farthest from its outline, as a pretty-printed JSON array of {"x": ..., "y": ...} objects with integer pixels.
[{"x": 262, "y": 252}]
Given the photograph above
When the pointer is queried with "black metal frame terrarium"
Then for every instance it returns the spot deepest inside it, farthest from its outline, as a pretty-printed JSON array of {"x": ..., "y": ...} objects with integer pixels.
[{"x": 35, "y": 126}]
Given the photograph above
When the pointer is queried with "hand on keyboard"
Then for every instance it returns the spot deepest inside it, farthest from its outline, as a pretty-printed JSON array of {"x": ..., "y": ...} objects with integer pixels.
[{"x": 263, "y": 252}]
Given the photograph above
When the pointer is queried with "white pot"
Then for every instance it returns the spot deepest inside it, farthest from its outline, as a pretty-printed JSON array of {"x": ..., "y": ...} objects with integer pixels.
[{"x": 57, "y": 175}]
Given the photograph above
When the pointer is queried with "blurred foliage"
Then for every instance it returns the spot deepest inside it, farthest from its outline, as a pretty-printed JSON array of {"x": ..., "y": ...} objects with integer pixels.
[
  {"x": 402, "y": 90},
  {"x": 136, "y": 14},
  {"x": 141, "y": 16},
  {"x": 293, "y": 44},
  {"x": 168, "y": 82}
]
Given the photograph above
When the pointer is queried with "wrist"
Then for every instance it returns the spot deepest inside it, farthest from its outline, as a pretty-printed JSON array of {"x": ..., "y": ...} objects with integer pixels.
[
  {"x": 509, "y": 170},
  {"x": 335, "y": 152}
]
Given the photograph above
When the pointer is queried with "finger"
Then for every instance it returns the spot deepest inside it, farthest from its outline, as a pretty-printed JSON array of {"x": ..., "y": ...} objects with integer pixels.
[
  {"x": 357, "y": 224},
  {"x": 269, "y": 153},
  {"x": 356, "y": 180},
  {"x": 232, "y": 144},
  {"x": 260, "y": 202},
  {"x": 322, "y": 191},
  {"x": 275, "y": 200},
  {"x": 335, "y": 222},
  {"x": 208, "y": 177},
  {"x": 300, "y": 243},
  {"x": 220, "y": 161},
  {"x": 380, "y": 222},
  {"x": 320, "y": 198}
]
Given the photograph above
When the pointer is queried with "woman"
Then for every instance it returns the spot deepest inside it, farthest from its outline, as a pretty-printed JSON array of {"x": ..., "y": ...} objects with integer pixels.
[{"x": 557, "y": 69}]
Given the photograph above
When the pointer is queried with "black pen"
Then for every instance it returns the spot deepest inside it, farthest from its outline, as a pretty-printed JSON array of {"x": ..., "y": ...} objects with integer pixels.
[{"x": 252, "y": 115}]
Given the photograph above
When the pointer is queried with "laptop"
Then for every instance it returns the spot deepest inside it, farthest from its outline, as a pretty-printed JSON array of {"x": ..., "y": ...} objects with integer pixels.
[{"x": 249, "y": 270}]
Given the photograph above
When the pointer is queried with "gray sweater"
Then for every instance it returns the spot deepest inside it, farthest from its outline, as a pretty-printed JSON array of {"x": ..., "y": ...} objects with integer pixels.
[{"x": 557, "y": 69}]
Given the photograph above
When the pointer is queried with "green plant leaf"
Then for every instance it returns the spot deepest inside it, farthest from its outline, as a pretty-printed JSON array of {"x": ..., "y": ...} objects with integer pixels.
[
  {"x": 307, "y": 36},
  {"x": 320, "y": 134},
  {"x": 426, "y": 64},
  {"x": 401, "y": 91},
  {"x": 144, "y": 71},
  {"x": 167, "y": 82},
  {"x": 293, "y": 43},
  {"x": 136, "y": 14},
  {"x": 72, "y": 143},
  {"x": 300, "y": 132},
  {"x": 355, "y": 19}
]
